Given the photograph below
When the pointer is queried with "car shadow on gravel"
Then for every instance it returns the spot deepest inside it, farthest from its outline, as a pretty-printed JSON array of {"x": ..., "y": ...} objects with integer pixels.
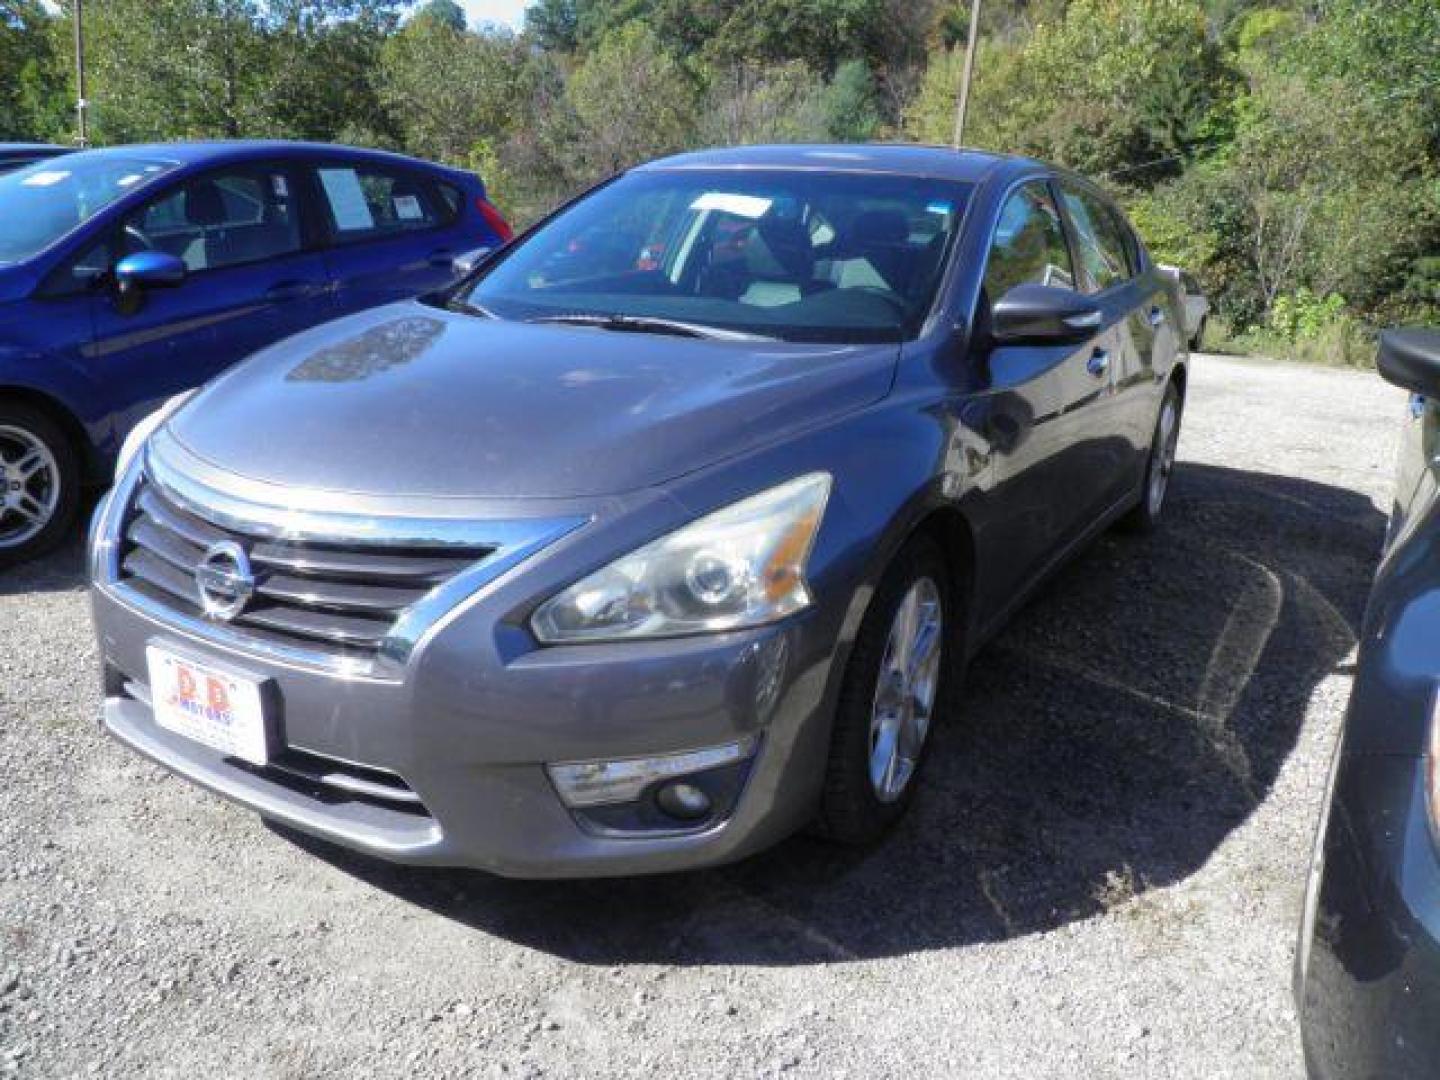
[
  {"x": 63, "y": 570},
  {"x": 1111, "y": 737}
]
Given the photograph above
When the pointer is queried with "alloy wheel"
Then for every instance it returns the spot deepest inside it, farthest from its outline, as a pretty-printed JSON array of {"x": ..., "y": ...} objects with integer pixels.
[
  {"x": 1162, "y": 455},
  {"x": 29, "y": 486},
  {"x": 905, "y": 690}
]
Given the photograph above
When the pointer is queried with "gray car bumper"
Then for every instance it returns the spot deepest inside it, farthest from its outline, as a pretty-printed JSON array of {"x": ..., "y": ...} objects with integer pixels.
[{"x": 469, "y": 732}]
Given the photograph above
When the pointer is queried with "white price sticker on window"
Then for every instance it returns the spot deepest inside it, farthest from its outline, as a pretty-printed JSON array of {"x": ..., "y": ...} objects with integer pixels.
[
  {"x": 407, "y": 208},
  {"x": 347, "y": 200}
]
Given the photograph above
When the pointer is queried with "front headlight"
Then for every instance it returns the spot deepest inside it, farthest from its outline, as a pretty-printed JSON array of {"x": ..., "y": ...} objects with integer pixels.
[
  {"x": 740, "y": 566},
  {"x": 145, "y": 428}
]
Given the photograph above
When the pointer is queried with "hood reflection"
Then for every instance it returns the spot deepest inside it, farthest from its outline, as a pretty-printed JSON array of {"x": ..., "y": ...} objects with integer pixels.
[{"x": 372, "y": 352}]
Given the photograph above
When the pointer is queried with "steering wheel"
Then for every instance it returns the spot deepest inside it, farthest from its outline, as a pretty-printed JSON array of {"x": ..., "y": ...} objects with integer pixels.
[{"x": 133, "y": 231}]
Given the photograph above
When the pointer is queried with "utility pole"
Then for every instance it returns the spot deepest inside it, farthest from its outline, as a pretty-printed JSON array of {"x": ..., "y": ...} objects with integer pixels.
[
  {"x": 964, "y": 103},
  {"x": 82, "y": 135}
]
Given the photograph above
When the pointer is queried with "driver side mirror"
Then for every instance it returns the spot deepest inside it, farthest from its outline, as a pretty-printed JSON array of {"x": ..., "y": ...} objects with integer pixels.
[
  {"x": 1044, "y": 315},
  {"x": 1411, "y": 360},
  {"x": 149, "y": 270}
]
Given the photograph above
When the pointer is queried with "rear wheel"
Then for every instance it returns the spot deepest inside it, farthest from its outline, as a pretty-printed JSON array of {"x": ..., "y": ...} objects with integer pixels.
[
  {"x": 1199, "y": 334},
  {"x": 1145, "y": 516},
  {"x": 891, "y": 697},
  {"x": 39, "y": 483}
]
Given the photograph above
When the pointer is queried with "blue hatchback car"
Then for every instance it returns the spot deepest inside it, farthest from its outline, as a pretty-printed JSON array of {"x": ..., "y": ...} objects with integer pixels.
[
  {"x": 17, "y": 155},
  {"x": 130, "y": 274}
]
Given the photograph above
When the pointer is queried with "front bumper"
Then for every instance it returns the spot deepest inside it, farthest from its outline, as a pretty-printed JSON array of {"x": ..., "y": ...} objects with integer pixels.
[
  {"x": 1370, "y": 991},
  {"x": 469, "y": 732}
]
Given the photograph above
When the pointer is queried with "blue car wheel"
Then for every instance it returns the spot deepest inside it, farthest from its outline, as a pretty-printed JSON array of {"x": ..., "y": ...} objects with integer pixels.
[{"x": 39, "y": 483}]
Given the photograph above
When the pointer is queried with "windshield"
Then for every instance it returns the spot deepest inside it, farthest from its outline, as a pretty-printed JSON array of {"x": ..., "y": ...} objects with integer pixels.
[
  {"x": 42, "y": 202},
  {"x": 799, "y": 255}
]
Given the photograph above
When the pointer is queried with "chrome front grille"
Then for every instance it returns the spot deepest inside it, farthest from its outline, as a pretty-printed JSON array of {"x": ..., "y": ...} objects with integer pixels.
[{"x": 342, "y": 599}]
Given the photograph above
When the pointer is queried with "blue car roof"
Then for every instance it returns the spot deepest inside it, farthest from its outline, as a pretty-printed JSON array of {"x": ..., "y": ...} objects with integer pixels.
[
  {"x": 905, "y": 159},
  {"x": 9, "y": 147},
  {"x": 220, "y": 151}
]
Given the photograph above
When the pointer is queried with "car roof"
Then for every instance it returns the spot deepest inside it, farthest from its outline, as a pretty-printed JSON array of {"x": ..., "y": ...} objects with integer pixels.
[
  {"x": 223, "y": 150},
  {"x": 31, "y": 147},
  {"x": 903, "y": 159}
]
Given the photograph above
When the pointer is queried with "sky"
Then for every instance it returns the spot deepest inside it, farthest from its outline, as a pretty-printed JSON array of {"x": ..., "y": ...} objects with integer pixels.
[{"x": 509, "y": 12}]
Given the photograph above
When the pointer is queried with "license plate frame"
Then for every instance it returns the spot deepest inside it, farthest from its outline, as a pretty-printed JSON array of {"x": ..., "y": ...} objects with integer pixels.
[{"x": 211, "y": 703}]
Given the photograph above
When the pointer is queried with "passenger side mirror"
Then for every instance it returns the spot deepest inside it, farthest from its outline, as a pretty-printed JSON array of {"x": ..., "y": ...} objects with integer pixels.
[
  {"x": 466, "y": 262},
  {"x": 1044, "y": 315},
  {"x": 150, "y": 270},
  {"x": 1411, "y": 360}
]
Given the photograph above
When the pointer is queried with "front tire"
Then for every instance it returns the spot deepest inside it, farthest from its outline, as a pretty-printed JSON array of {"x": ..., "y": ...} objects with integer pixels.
[
  {"x": 892, "y": 695},
  {"x": 1158, "y": 467},
  {"x": 39, "y": 483}
]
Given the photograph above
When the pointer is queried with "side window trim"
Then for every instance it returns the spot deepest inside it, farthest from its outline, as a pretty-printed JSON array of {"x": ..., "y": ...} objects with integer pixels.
[{"x": 1078, "y": 269}]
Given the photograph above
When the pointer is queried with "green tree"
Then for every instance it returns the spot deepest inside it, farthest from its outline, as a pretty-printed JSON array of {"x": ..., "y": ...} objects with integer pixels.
[
  {"x": 447, "y": 12},
  {"x": 850, "y": 104},
  {"x": 763, "y": 103},
  {"x": 448, "y": 90},
  {"x": 166, "y": 69},
  {"x": 33, "y": 102},
  {"x": 555, "y": 25},
  {"x": 630, "y": 101}
]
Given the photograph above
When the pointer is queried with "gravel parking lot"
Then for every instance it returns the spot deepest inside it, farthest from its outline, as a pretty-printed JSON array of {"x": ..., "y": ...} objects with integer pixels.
[{"x": 1102, "y": 878}]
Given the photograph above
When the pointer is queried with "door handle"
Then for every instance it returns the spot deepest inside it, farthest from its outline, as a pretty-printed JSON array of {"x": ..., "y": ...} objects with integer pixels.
[
  {"x": 1157, "y": 316},
  {"x": 441, "y": 257},
  {"x": 1099, "y": 363},
  {"x": 290, "y": 290}
]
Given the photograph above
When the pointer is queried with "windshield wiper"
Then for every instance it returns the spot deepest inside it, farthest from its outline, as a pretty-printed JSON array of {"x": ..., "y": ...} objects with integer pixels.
[
  {"x": 645, "y": 324},
  {"x": 468, "y": 307}
]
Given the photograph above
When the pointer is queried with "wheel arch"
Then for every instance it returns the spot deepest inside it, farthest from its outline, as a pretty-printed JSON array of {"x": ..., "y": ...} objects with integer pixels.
[
  {"x": 65, "y": 419},
  {"x": 951, "y": 530},
  {"x": 946, "y": 523},
  {"x": 1180, "y": 377}
]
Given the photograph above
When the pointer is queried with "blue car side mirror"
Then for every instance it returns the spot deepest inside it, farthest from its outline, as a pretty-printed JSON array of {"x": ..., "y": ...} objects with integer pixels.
[{"x": 149, "y": 269}]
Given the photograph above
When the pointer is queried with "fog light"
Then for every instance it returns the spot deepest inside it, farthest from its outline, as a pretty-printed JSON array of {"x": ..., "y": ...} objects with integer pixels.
[
  {"x": 601, "y": 783},
  {"x": 684, "y": 801}
]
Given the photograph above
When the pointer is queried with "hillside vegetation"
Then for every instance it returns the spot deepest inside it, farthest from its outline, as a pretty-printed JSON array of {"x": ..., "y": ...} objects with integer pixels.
[{"x": 1288, "y": 153}]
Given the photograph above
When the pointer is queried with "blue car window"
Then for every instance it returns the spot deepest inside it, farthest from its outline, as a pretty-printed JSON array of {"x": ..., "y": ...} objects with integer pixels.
[
  {"x": 364, "y": 202},
  {"x": 44, "y": 202},
  {"x": 222, "y": 219}
]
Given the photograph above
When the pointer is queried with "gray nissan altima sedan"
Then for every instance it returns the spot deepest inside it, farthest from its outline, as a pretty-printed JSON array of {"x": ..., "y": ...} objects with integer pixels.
[{"x": 666, "y": 532}]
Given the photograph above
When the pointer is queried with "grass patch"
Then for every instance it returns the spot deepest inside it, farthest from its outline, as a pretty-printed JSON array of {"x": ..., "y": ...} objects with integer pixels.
[{"x": 1337, "y": 344}]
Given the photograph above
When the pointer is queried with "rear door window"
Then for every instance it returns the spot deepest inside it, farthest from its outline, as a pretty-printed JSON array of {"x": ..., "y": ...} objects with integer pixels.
[
  {"x": 364, "y": 202},
  {"x": 1104, "y": 260},
  {"x": 226, "y": 218}
]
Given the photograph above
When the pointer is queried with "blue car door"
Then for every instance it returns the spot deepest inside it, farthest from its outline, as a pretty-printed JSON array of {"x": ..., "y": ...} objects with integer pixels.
[
  {"x": 253, "y": 277},
  {"x": 391, "y": 231}
]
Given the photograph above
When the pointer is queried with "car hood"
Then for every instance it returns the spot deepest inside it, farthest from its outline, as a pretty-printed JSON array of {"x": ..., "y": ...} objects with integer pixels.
[{"x": 413, "y": 400}]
